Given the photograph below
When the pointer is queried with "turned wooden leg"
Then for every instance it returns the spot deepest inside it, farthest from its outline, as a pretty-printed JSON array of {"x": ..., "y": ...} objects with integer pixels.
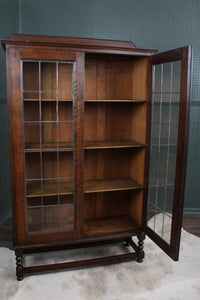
[
  {"x": 19, "y": 265},
  {"x": 140, "y": 249}
]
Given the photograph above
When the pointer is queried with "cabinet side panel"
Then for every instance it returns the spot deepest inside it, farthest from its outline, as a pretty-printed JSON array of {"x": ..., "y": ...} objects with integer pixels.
[
  {"x": 9, "y": 102},
  {"x": 16, "y": 144},
  {"x": 137, "y": 160},
  {"x": 90, "y": 79},
  {"x": 140, "y": 69},
  {"x": 136, "y": 206},
  {"x": 138, "y": 124},
  {"x": 148, "y": 137}
]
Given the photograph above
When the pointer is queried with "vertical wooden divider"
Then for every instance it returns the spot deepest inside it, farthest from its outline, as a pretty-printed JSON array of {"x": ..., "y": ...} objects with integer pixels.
[
  {"x": 101, "y": 87},
  {"x": 79, "y": 141}
]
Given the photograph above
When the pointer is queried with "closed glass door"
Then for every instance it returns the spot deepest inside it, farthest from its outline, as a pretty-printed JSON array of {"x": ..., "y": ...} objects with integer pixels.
[
  {"x": 47, "y": 144},
  {"x": 47, "y": 93}
]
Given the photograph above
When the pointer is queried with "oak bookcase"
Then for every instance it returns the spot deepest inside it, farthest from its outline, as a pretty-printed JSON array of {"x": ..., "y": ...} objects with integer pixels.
[{"x": 98, "y": 144}]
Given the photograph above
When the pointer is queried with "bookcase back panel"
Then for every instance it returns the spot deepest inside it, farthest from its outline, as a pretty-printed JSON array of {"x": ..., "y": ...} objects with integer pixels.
[
  {"x": 90, "y": 122},
  {"x": 108, "y": 204},
  {"x": 137, "y": 165},
  {"x": 114, "y": 78},
  {"x": 136, "y": 206},
  {"x": 114, "y": 164},
  {"x": 115, "y": 121},
  {"x": 138, "y": 122}
]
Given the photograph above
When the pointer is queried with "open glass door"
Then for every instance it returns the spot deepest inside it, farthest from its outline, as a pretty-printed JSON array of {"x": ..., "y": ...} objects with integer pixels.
[{"x": 168, "y": 147}]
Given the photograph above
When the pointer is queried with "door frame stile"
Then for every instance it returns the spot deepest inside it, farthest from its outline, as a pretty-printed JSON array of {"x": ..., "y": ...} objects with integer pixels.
[
  {"x": 147, "y": 142},
  {"x": 78, "y": 110}
]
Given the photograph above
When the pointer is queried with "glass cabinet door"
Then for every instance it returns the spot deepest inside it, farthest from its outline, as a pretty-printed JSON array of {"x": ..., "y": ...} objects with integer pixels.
[
  {"x": 168, "y": 147},
  {"x": 47, "y": 109}
]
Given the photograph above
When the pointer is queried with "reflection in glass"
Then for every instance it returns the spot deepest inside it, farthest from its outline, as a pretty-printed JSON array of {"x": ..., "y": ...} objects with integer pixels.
[
  {"x": 31, "y": 78},
  {"x": 31, "y": 111},
  {"x": 166, "y": 228},
  {"x": 51, "y": 217},
  {"x": 34, "y": 188},
  {"x": 31, "y": 135},
  {"x": 34, "y": 219},
  {"x": 67, "y": 217},
  {"x": 49, "y": 163},
  {"x": 33, "y": 167},
  {"x": 48, "y": 111},
  {"x": 65, "y": 111}
]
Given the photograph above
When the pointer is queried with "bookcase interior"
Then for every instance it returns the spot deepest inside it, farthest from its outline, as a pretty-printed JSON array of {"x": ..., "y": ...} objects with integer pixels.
[{"x": 115, "y": 112}]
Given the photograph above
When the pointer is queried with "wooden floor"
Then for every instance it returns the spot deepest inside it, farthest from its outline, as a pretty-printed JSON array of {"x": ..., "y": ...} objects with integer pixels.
[{"x": 191, "y": 223}]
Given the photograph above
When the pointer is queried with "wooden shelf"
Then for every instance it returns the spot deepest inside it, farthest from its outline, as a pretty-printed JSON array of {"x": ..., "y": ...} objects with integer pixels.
[
  {"x": 115, "y": 100},
  {"x": 112, "y": 144},
  {"x": 48, "y": 146},
  {"x": 87, "y": 100},
  {"x": 49, "y": 189},
  {"x": 91, "y": 186},
  {"x": 47, "y": 100},
  {"x": 109, "y": 225},
  {"x": 88, "y": 145}
]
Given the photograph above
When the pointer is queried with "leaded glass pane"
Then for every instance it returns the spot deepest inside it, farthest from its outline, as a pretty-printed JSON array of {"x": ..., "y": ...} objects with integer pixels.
[
  {"x": 48, "y": 122},
  {"x": 163, "y": 148}
]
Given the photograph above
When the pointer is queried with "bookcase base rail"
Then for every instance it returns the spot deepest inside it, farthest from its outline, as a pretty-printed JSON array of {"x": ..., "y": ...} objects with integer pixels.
[{"x": 137, "y": 255}]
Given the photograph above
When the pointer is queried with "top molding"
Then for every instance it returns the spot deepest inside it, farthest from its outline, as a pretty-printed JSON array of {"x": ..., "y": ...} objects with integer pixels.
[{"x": 80, "y": 44}]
